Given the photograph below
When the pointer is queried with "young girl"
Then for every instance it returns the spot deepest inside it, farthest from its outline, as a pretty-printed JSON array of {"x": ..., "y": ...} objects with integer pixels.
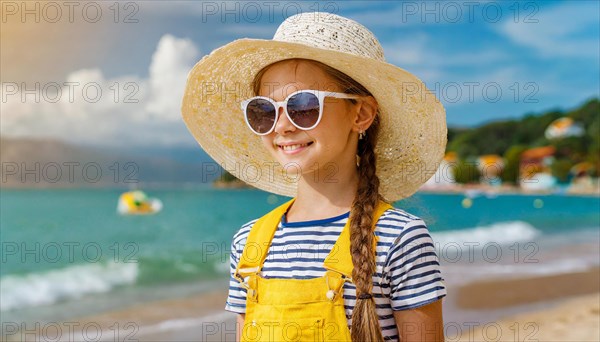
[{"x": 325, "y": 120}]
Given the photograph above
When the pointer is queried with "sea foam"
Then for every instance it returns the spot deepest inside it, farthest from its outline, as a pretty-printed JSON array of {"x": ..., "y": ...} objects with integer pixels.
[
  {"x": 501, "y": 233},
  {"x": 34, "y": 289}
]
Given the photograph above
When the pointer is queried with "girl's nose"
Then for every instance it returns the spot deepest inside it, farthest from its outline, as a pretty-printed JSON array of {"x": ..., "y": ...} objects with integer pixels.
[{"x": 283, "y": 124}]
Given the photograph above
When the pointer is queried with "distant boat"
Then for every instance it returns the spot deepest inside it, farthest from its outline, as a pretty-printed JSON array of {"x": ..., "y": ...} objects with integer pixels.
[{"x": 138, "y": 203}]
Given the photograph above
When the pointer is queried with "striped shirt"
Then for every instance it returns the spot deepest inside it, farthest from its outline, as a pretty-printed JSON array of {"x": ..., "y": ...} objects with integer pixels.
[{"x": 407, "y": 274}]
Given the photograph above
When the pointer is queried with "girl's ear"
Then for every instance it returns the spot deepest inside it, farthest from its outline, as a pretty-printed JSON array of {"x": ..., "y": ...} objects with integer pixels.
[{"x": 366, "y": 109}]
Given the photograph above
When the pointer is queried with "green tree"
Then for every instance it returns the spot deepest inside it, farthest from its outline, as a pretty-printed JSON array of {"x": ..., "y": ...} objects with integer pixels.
[
  {"x": 587, "y": 113},
  {"x": 560, "y": 169},
  {"x": 512, "y": 158},
  {"x": 492, "y": 138},
  {"x": 462, "y": 146},
  {"x": 571, "y": 148},
  {"x": 466, "y": 172},
  {"x": 593, "y": 133},
  {"x": 227, "y": 177},
  {"x": 531, "y": 129},
  {"x": 593, "y": 152}
]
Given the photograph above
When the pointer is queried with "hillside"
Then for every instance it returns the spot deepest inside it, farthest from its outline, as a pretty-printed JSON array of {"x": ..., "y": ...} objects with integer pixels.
[
  {"x": 511, "y": 137},
  {"x": 497, "y": 137}
]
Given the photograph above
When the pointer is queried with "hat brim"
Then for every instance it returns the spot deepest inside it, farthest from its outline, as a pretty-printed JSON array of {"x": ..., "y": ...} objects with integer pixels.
[{"x": 412, "y": 137}]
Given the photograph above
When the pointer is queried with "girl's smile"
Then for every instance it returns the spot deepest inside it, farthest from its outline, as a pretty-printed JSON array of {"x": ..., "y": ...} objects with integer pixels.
[{"x": 293, "y": 147}]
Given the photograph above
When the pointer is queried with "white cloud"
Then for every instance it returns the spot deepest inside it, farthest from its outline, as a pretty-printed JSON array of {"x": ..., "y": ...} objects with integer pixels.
[
  {"x": 88, "y": 108},
  {"x": 170, "y": 65},
  {"x": 566, "y": 30}
]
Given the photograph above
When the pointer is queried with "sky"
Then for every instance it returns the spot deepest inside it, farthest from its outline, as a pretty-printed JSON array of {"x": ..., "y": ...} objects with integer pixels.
[{"x": 112, "y": 73}]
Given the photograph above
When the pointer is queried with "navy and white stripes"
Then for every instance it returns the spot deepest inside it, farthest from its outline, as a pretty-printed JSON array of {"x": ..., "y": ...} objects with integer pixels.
[{"x": 407, "y": 273}]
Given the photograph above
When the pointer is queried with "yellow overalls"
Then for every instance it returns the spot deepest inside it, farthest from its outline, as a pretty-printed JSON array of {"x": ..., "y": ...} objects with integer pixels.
[{"x": 295, "y": 309}]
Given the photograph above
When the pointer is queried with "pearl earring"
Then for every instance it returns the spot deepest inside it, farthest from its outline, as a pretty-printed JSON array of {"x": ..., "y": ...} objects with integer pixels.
[{"x": 361, "y": 135}]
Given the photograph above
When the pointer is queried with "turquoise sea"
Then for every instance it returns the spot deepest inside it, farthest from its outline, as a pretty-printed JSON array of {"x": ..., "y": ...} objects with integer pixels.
[{"x": 69, "y": 253}]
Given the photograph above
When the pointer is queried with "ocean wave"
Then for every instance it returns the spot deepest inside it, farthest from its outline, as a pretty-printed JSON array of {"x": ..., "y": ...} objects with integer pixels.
[
  {"x": 501, "y": 233},
  {"x": 34, "y": 289}
]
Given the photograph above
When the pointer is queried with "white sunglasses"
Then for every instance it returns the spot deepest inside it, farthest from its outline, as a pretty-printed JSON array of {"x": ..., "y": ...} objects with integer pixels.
[{"x": 304, "y": 109}]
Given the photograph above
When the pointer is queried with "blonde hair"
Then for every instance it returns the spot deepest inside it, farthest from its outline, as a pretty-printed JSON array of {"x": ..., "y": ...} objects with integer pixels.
[{"x": 365, "y": 322}]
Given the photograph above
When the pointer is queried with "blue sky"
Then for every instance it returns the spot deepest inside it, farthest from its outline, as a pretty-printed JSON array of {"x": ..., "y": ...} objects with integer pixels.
[{"x": 485, "y": 60}]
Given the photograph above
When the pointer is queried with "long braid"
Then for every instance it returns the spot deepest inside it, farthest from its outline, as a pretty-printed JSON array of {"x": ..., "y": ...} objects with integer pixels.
[{"x": 365, "y": 322}]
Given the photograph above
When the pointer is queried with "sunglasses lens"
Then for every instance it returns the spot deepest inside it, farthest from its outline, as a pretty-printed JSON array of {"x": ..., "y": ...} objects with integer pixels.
[
  {"x": 303, "y": 109},
  {"x": 261, "y": 115}
]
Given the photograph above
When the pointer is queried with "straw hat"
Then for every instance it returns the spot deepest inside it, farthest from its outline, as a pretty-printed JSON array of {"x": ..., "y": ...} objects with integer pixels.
[{"x": 412, "y": 136}]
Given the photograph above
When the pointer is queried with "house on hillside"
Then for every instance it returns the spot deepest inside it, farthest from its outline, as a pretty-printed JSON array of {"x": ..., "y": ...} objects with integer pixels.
[
  {"x": 490, "y": 166},
  {"x": 534, "y": 168},
  {"x": 563, "y": 128}
]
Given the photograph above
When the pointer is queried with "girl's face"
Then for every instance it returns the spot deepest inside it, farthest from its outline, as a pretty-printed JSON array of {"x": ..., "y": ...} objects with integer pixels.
[{"x": 332, "y": 144}]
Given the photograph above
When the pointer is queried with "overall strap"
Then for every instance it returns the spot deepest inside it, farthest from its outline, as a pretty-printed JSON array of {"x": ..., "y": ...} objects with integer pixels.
[
  {"x": 259, "y": 240},
  {"x": 340, "y": 259}
]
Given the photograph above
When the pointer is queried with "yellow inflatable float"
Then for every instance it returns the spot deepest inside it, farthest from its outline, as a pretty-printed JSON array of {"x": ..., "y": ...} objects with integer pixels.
[{"x": 138, "y": 203}]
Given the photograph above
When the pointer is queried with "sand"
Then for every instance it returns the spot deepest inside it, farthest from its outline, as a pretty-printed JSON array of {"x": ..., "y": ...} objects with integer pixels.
[
  {"x": 557, "y": 307},
  {"x": 575, "y": 320}
]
